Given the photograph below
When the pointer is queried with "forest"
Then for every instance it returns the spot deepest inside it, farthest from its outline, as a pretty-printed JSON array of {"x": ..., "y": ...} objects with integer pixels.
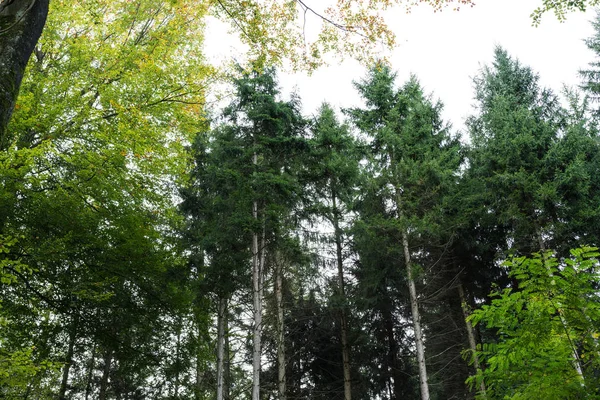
[{"x": 153, "y": 246}]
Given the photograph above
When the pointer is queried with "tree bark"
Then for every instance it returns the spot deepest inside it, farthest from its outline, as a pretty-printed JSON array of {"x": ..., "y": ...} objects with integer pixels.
[
  {"x": 342, "y": 294},
  {"x": 177, "y": 358},
  {"x": 105, "y": 375},
  {"x": 414, "y": 306},
  {"x": 227, "y": 362},
  {"x": 281, "y": 363},
  {"x": 90, "y": 374},
  {"x": 220, "y": 346},
  {"x": 21, "y": 24},
  {"x": 395, "y": 389},
  {"x": 257, "y": 302},
  {"x": 200, "y": 367},
  {"x": 69, "y": 358},
  {"x": 470, "y": 333}
]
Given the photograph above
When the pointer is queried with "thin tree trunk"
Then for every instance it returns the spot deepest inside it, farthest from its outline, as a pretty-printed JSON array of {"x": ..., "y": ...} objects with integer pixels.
[
  {"x": 90, "y": 374},
  {"x": 177, "y": 358},
  {"x": 69, "y": 358},
  {"x": 199, "y": 370},
  {"x": 21, "y": 24},
  {"x": 257, "y": 302},
  {"x": 281, "y": 363},
  {"x": 342, "y": 294},
  {"x": 200, "y": 325},
  {"x": 105, "y": 375},
  {"x": 414, "y": 306},
  {"x": 470, "y": 333},
  {"x": 227, "y": 363},
  {"x": 220, "y": 346},
  {"x": 395, "y": 390}
]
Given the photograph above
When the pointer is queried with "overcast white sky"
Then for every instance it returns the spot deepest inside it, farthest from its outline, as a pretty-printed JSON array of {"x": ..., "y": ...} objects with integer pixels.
[{"x": 445, "y": 50}]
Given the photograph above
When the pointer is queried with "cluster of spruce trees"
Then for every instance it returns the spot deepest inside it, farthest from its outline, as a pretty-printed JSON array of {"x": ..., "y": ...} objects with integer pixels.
[
  {"x": 310, "y": 258},
  {"x": 406, "y": 224}
]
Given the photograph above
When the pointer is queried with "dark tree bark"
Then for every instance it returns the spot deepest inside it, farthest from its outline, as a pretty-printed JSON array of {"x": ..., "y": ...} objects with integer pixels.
[
  {"x": 105, "y": 375},
  {"x": 21, "y": 24},
  {"x": 69, "y": 358}
]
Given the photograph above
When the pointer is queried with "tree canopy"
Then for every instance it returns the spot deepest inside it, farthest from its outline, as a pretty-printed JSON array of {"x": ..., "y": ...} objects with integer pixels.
[{"x": 153, "y": 247}]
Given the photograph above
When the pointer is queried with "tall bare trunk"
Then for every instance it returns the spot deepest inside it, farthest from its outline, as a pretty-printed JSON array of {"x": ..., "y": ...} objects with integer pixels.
[
  {"x": 105, "y": 375},
  {"x": 470, "y": 333},
  {"x": 416, "y": 316},
  {"x": 227, "y": 362},
  {"x": 342, "y": 294},
  {"x": 414, "y": 306},
  {"x": 395, "y": 389},
  {"x": 200, "y": 365},
  {"x": 90, "y": 374},
  {"x": 69, "y": 358},
  {"x": 21, "y": 24},
  {"x": 281, "y": 363},
  {"x": 257, "y": 262},
  {"x": 177, "y": 358},
  {"x": 220, "y": 346}
]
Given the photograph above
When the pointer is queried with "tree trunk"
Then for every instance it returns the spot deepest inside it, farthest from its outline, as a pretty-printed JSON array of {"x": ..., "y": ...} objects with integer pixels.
[
  {"x": 105, "y": 375},
  {"x": 69, "y": 358},
  {"x": 414, "y": 306},
  {"x": 342, "y": 294},
  {"x": 395, "y": 389},
  {"x": 177, "y": 358},
  {"x": 21, "y": 24},
  {"x": 220, "y": 346},
  {"x": 227, "y": 363},
  {"x": 199, "y": 370},
  {"x": 281, "y": 363},
  {"x": 470, "y": 333},
  {"x": 90, "y": 374},
  {"x": 257, "y": 303}
]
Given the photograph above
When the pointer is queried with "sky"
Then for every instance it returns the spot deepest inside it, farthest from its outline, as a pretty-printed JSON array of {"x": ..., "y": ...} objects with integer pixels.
[{"x": 445, "y": 50}]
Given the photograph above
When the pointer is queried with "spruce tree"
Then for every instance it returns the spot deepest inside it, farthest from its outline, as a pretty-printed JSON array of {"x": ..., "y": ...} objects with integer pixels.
[{"x": 413, "y": 164}]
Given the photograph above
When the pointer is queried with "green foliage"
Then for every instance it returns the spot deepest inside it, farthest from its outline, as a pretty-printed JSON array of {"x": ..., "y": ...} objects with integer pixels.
[
  {"x": 18, "y": 367},
  {"x": 96, "y": 140},
  {"x": 275, "y": 29},
  {"x": 511, "y": 166},
  {"x": 547, "y": 345},
  {"x": 561, "y": 8}
]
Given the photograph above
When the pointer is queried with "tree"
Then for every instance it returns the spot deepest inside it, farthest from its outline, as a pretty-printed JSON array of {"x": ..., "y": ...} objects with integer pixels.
[
  {"x": 590, "y": 76},
  {"x": 215, "y": 202},
  {"x": 85, "y": 188},
  {"x": 529, "y": 166},
  {"x": 333, "y": 175},
  {"x": 509, "y": 159},
  {"x": 414, "y": 161},
  {"x": 245, "y": 178}
]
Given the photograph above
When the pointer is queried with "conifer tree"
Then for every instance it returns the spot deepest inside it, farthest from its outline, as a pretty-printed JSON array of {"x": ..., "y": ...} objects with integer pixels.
[
  {"x": 246, "y": 189},
  {"x": 512, "y": 136},
  {"x": 332, "y": 175},
  {"x": 413, "y": 162}
]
